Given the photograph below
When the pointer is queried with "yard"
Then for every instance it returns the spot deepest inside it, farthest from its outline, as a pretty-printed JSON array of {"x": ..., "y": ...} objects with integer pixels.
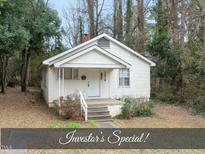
[{"x": 29, "y": 111}]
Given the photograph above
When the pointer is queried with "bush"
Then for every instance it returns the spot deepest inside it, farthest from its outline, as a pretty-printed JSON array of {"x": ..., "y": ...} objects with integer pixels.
[
  {"x": 134, "y": 108},
  {"x": 143, "y": 109},
  {"x": 72, "y": 125}
]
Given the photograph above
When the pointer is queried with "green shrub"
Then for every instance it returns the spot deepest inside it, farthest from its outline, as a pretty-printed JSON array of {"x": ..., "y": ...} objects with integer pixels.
[
  {"x": 53, "y": 125},
  {"x": 72, "y": 125},
  {"x": 92, "y": 123},
  {"x": 134, "y": 108},
  {"x": 143, "y": 109},
  {"x": 119, "y": 116}
]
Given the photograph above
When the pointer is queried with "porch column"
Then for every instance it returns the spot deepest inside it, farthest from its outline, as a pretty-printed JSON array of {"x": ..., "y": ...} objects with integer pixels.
[
  {"x": 63, "y": 82},
  {"x": 59, "y": 84}
]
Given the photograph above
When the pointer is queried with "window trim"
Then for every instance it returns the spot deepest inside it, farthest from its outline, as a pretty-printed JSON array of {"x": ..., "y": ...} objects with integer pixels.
[{"x": 123, "y": 86}]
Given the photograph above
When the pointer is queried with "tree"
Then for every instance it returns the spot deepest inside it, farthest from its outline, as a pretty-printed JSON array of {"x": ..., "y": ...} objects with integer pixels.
[
  {"x": 90, "y": 8},
  {"x": 13, "y": 35},
  {"x": 94, "y": 9},
  {"x": 140, "y": 25},
  {"x": 43, "y": 24},
  {"x": 128, "y": 22},
  {"x": 75, "y": 23},
  {"x": 202, "y": 10},
  {"x": 173, "y": 21},
  {"x": 161, "y": 48},
  {"x": 118, "y": 20}
]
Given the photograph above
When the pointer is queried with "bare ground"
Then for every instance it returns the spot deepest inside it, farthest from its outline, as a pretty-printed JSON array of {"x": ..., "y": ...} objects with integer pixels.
[
  {"x": 165, "y": 116},
  {"x": 28, "y": 110}
]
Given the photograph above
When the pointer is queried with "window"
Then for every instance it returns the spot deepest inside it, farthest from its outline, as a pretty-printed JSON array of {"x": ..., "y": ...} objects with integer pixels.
[
  {"x": 75, "y": 73},
  {"x": 70, "y": 73},
  {"x": 67, "y": 73},
  {"x": 124, "y": 77}
]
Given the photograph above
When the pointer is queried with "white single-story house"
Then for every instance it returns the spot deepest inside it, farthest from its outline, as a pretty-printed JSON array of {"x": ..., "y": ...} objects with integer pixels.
[{"x": 100, "y": 68}]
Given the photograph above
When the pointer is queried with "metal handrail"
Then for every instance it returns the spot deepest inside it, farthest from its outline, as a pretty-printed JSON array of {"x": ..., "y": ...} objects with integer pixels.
[{"x": 84, "y": 106}]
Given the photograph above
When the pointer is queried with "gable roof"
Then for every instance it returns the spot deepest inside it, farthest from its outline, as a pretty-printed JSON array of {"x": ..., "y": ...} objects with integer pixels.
[
  {"x": 92, "y": 48},
  {"x": 47, "y": 61}
]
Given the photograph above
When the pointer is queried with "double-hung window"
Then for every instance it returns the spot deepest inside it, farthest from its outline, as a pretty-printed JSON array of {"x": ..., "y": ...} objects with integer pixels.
[{"x": 124, "y": 77}]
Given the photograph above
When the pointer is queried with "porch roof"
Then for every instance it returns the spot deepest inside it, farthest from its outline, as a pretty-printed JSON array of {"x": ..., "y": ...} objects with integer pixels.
[{"x": 92, "y": 57}]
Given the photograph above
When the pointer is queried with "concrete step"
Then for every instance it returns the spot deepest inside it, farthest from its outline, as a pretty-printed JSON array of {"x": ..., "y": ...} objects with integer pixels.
[
  {"x": 98, "y": 115},
  {"x": 104, "y": 120},
  {"x": 97, "y": 112},
  {"x": 97, "y": 109},
  {"x": 96, "y": 106}
]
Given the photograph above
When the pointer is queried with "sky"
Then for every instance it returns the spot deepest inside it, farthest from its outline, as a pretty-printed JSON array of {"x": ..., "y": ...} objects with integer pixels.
[{"x": 59, "y": 5}]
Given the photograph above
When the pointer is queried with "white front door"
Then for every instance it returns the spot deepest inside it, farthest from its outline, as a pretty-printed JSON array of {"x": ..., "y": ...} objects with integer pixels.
[{"x": 93, "y": 83}]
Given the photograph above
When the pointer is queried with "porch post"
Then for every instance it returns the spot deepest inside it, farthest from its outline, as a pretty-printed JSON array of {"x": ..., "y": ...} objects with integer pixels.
[
  {"x": 59, "y": 83},
  {"x": 63, "y": 82}
]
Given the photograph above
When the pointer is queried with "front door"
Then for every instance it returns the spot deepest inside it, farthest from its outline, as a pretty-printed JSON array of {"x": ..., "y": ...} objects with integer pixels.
[{"x": 93, "y": 83}]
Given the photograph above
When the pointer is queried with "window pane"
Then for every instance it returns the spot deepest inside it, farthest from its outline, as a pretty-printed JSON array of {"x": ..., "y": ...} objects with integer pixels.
[
  {"x": 121, "y": 81},
  {"x": 75, "y": 73},
  {"x": 68, "y": 73},
  {"x": 126, "y": 82},
  {"x": 124, "y": 77}
]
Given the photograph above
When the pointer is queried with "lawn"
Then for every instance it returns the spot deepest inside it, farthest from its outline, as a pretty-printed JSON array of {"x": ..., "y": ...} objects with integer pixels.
[{"x": 28, "y": 110}]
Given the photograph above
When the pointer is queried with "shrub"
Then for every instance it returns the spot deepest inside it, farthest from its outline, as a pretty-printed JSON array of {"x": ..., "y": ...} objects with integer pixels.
[
  {"x": 53, "y": 125},
  {"x": 72, "y": 125},
  {"x": 119, "y": 116},
  {"x": 134, "y": 108},
  {"x": 143, "y": 109},
  {"x": 127, "y": 108}
]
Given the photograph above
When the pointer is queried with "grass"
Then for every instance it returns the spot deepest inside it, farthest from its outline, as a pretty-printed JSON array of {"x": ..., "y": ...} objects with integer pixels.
[
  {"x": 72, "y": 125},
  {"x": 91, "y": 123},
  {"x": 53, "y": 125}
]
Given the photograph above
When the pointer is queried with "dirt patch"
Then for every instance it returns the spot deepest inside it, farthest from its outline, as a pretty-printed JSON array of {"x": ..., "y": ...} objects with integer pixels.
[
  {"x": 27, "y": 110},
  {"x": 165, "y": 116}
]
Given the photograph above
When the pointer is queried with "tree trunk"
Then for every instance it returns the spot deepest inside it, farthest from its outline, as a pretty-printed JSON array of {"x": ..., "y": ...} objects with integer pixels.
[
  {"x": 140, "y": 25},
  {"x": 4, "y": 64},
  {"x": 118, "y": 21},
  {"x": 202, "y": 8},
  {"x": 115, "y": 18},
  {"x": 97, "y": 17},
  {"x": 90, "y": 8},
  {"x": 128, "y": 22},
  {"x": 174, "y": 21},
  {"x": 24, "y": 69}
]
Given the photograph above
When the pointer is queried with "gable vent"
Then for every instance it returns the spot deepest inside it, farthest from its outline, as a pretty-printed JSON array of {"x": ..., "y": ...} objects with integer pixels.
[{"x": 104, "y": 43}]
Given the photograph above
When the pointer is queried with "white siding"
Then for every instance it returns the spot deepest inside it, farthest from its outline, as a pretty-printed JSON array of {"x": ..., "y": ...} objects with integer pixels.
[
  {"x": 94, "y": 57},
  {"x": 139, "y": 75},
  {"x": 44, "y": 83}
]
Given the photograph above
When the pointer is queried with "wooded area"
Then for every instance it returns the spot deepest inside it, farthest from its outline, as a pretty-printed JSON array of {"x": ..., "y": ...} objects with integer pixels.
[{"x": 170, "y": 32}]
